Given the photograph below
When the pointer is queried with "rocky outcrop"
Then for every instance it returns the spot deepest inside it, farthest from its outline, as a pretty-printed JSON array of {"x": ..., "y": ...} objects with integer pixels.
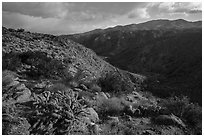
[{"x": 13, "y": 90}]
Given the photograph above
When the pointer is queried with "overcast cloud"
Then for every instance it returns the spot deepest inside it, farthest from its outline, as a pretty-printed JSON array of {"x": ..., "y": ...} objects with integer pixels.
[{"x": 67, "y": 18}]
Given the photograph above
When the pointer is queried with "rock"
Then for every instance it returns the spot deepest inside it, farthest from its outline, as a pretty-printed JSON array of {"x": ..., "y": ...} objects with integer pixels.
[
  {"x": 129, "y": 110},
  {"x": 40, "y": 85},
  {"x": 21, "y": 87},
  {"x": 91, "y": 114},
  {"x": 139, "y": 96},
  {"x": 14, "y": 83},
  {"x": 24, "y": 93},
  {"x": 82, "y": 86},
  {"x": 17, "y": 92},
  {"x": 130, "y": 98},
  {"x": 78, "y": 90},
  {"x": 95, "y": 88},
  {"x": 113, "y": 119},
  {"x": 108, "y": 95},
  {"x": 102, "y": 95},
  {"x": 93, "y": 129},
  {"x": 178, "y": 121},
  {"x": 137, "y": 112},
  {"x": 71, "y": 71},
  {"x": 85, "y": 94},
  {"x": 73, "y": 84},
  {"x": 128, "y": 118},
  {"x": 148, "y": 132}
]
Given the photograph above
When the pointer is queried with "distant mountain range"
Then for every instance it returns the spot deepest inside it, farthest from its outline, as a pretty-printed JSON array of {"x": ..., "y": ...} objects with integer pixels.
[{"x": 167, "y": 50}]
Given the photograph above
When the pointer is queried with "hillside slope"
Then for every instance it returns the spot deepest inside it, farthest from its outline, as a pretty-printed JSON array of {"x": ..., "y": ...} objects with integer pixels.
[
  {"x": 170, "y": 52},
  {"x": 45, "y": 56},
  {"x": 54, "y": 86}
]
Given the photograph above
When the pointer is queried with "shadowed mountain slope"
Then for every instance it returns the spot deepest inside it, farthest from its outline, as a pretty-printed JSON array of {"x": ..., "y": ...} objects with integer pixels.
[{"x": 169, "y": 52}]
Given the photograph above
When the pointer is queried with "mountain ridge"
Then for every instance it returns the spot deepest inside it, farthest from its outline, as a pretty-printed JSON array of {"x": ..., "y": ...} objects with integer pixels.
[
  {"x": 169, "y": 48},
  {"x": 196, "y": 24}
]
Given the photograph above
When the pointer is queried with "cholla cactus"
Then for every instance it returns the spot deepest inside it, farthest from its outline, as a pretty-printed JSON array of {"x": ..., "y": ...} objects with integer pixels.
[{"x": 54, "y": 112}]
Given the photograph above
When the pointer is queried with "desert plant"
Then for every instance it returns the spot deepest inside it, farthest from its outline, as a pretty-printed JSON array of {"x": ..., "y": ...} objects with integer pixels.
[
  {"x": 7, "y": 77},
  {"x": 112, "y": 106},
  {"x": 20, "y": 30},
  {"x": 189, "y": 112},
  {"x": 53, "y": 112},
  {"x": 176, "y": 105}
]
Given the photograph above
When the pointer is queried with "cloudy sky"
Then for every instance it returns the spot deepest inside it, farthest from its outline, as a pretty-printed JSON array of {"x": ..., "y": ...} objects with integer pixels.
[{"x": 68, "y": 18}]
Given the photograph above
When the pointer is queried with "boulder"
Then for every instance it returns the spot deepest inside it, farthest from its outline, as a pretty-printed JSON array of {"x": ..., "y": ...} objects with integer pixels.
[
  {"x": 91, "y": 114},
  {"x": 137, "y": 95},
  {"x": 113, "y": 119},
  {"x": 93, "y": 129},
  {"x": 108, "y": 95},
  {"x": 82, "y": 86},
  {"x": 103, "y": 95},
  {"x": 148, "y": 132},
  {"x": 71, "y": 72},
  {"x": 17, "y": 92},
  {"x": 178, "y": 121},
  {"x": 13, "y": 84},
  {"x": 23, "y": 93}
]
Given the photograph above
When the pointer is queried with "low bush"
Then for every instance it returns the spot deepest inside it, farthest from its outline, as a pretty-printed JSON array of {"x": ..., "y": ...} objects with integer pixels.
[
  {"x": 112, "y": 106},
  {"x": 115, "y": 82},
  {"x": 20, "y": 30},
  {"x": 7, "y": 77},
  {"x": 190, "y": 113}
]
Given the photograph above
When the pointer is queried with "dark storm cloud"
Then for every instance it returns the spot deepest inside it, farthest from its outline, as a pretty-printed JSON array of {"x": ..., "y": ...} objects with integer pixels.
[
  {"x": 37, "y": 9},
  {"x": 52, "y": 9},
  {"x": 178, "y": 7},
  {"x": 58, "y": 18}
]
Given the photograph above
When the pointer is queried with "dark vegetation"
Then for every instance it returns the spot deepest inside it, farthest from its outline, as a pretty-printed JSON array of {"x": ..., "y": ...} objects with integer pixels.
[{"x": 54, "y": 86}]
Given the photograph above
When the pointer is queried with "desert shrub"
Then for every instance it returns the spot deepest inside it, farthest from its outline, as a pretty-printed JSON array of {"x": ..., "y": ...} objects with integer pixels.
[
  {"x": 112, "y": 106},
  {"x": 12, "y": 122},
  {"x": 190, "y": 113},
  {"x": 114, "y": 82},
  {"x": 57, "y": 87},
  {"x": 193, "y": 117},
  {"x": 40, "y": 64},
  {"x": 121, "y": 128},
  {"x": 11, "y": 30},
  {"x": 7, "y": 77},
  {"x": 14, "y": 126},
  {"x": 95, "y": 87},
  {"x": 20, "y": 30},
  {"x": 193, "y": 114},
  {"x": 10, "y": 61},
  {"x": 175, "y": 105},
  {"x": 128, "y": 130}
]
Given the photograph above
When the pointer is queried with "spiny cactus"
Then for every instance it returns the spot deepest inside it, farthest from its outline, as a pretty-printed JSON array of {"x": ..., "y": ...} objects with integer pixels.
[{"x": 53, "y": 112}]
